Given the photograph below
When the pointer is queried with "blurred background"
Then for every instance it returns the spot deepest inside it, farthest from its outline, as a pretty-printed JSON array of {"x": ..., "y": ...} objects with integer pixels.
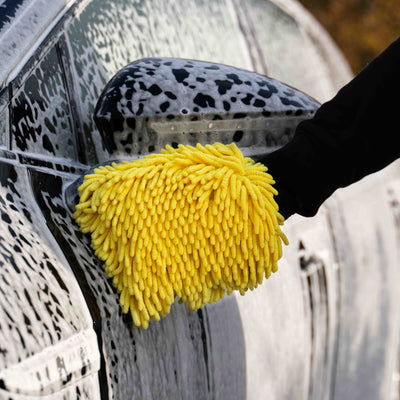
[{"x": 361, "y": 28}]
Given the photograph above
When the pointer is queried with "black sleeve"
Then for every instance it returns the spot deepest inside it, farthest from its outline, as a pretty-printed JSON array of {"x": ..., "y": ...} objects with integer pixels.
[{"x": 353, "y": 135}]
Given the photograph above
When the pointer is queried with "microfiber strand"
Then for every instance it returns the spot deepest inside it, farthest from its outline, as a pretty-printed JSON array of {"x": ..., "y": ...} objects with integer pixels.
[{"x": 192, "y": 222}]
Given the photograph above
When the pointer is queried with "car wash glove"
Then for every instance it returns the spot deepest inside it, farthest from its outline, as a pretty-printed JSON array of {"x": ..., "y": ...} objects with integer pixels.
[{"x": 193, "y": 223}]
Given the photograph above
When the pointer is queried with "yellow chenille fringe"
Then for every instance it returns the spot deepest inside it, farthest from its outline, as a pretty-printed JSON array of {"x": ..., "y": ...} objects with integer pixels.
[{"x": 193, "y": 222}]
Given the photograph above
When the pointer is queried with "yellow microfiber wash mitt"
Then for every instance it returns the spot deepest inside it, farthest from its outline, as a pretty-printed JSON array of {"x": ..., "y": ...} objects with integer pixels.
[{"x": 192, "y": 222}]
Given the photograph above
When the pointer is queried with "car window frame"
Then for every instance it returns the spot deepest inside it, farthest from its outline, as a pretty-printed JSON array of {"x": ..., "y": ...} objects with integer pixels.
[{"x": 54, "y": 39}]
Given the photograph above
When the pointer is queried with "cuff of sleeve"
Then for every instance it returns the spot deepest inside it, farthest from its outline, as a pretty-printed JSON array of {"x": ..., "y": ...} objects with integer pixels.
[{"x": 292, "y": 169}]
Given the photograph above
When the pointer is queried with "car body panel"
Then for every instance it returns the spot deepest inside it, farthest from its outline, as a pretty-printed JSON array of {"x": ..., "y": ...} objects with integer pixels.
[{"x": 41, "y": 302}]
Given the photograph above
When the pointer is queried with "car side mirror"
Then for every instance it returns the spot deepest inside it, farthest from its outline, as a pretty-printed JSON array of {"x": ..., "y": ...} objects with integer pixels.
[{"x": 158, "y": 101}]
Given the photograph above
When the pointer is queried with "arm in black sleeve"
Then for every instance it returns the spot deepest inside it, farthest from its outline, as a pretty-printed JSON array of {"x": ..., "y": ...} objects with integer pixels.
[{"x": 351, "y": 136}]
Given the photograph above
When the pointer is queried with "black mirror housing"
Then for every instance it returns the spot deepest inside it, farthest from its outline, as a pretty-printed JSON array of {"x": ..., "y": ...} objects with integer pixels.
[{"x": 158, "y": 101}]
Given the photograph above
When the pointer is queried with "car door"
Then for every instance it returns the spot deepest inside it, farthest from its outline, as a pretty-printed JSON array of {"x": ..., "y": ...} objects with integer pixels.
[
  {"x": 48, "y": 346},
  {"x": 105, "y": 37},
  {"x": 179, "y": 357}
]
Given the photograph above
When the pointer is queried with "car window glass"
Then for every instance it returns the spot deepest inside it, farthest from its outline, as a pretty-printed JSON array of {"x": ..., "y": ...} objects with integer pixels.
[
  {"x": 41, "y": 121},
  {"x": 4, "y": 125},
  {"x": 281, "y": 40},
  {"x": 112, "y": 33}
]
